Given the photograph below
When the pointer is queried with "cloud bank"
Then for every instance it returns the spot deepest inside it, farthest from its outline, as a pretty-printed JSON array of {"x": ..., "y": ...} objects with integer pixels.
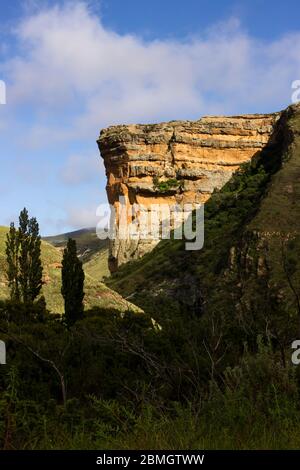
[
  {"x": 68, "y": 76},
  {"x": 71, "y": 66}
]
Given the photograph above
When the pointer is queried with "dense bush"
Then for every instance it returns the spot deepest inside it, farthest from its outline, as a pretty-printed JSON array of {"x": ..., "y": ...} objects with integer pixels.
[{"x": 132, "y": 385}]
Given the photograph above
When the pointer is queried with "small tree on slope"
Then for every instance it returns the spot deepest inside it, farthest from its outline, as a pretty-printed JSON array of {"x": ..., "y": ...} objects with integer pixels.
[{"x": 72, "y": 284}]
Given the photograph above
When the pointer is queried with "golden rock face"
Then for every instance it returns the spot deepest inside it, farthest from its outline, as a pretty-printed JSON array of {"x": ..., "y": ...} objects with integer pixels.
[{"x": 176, "y": 162}]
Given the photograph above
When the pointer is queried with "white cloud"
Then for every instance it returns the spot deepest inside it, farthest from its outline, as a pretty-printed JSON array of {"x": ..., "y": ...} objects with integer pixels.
[
  {"x": 72, "y": 67},
  {"x": 80, "y": 169},
  {"x": 79, "y": 217}
]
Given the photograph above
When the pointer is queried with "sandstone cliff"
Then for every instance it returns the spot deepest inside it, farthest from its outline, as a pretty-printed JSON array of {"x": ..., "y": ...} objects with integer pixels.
[{"x": 176, "y": 162}]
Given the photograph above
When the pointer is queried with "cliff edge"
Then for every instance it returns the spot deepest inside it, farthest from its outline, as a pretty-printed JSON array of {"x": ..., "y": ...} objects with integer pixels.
[{"x": 176, "y": 162}]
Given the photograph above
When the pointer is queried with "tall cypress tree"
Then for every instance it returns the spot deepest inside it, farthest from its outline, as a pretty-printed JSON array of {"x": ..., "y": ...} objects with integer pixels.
[
  {"x": 23, "y": 254},
  {"x": 12, "y": 258},
  {"x": 72, "y": 284},
  {"x": 35, "y": 275}
]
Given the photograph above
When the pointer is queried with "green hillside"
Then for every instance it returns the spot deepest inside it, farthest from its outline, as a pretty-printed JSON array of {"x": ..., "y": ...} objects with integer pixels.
[
  {"x": 92, "y": 251},
  {"x": 97, "y": 294},
  {"x": 97, "y": 266}
]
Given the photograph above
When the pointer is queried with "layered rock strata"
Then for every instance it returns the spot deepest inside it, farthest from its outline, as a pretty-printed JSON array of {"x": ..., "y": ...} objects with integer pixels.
[{"x": 176, "y": 162}]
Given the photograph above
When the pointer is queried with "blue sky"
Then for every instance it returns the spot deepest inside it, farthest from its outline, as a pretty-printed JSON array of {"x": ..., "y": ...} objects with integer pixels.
[{"x": 72, "y": 68}]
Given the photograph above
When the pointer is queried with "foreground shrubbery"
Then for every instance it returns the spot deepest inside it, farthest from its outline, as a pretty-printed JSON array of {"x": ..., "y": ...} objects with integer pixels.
[
  {"x": 129, "y": 385},
  {"x": 252, "y": 415}
]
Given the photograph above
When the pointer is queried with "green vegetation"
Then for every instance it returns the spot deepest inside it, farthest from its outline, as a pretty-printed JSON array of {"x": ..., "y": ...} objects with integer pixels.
[
  {"x": 165, "y": 186},
  {"x": 23, "y": 255},
  {"x": 72, "y": 284},
  {"x": 218, "y": 371},
  {"x": 129, "y": 387},
  {"x": 97, "y": 266}
]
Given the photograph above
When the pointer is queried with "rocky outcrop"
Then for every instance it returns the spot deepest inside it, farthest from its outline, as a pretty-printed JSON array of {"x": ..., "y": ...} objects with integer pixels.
[{"x": 176, "y": 162}]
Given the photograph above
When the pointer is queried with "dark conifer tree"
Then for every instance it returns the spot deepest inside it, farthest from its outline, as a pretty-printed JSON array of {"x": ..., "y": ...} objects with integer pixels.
[
  {"x": 24, "y": 266},
  {"x": 24, "y": 262},
  {"x": 72, "y": 284},
  {"x": 35, "y": 265},
  {"x": 12, "y": 258}
]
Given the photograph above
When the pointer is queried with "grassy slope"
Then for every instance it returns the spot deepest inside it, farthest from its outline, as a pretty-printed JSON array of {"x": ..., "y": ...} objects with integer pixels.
[
  {"x": 97, "y": 294},
  {"x": 278, "y": 221},
  {"x": 92, "y": 251},
  {"x": 97, "y": 266}
]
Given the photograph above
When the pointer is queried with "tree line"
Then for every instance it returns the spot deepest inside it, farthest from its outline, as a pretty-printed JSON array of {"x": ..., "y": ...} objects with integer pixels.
[{"x": 25, "y": 271}]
